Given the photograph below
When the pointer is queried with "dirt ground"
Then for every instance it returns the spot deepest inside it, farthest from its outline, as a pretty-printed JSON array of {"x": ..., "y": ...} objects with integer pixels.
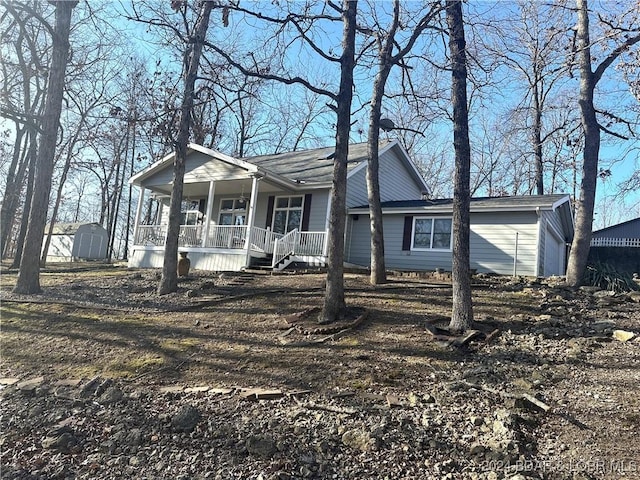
[{"x": 548, "y": 388}]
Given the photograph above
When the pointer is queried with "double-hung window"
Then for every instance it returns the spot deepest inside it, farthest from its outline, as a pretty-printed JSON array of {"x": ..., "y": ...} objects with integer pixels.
[
  {"x": 431, "y": 233},
  {"x": 232, "y": 212},
  {"x": 287, "y": 214}
]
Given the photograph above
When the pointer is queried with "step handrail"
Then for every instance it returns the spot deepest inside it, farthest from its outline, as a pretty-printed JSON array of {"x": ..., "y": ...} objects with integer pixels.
[{"x": 285, "y": 246}]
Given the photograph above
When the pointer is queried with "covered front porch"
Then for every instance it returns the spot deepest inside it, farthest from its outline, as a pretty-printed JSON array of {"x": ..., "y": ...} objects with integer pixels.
[
  {"x": 234, "y": 216},
  {"x": 231, "y": 247}
]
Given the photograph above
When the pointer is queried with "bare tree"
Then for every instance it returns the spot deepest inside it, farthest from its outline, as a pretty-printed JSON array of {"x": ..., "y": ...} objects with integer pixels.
[
  {"x": 24, "y": 48},
  {"x": 389, "y": 54},
  {"x": 532, "y": 47},
  {"x": 28, "y": 280},
  {"x": 196, "y": 38},
  {"x": 334, "y": 302},
  {"x": 589, "y": 79},
  {"x": 462, "y": 313}
]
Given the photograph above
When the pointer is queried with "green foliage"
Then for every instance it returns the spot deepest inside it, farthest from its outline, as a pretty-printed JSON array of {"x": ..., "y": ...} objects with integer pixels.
[{"x": 605, "y": 276}]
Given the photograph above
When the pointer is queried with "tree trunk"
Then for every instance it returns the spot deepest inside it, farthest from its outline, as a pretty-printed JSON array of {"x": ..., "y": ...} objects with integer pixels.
[
  {"x": 537, "y": 141},
  {"x": 169, "y": 280},
  {"x": 28, "y": 280},
  {"x": 15, "y": 177},
  {"x": 378, "y": 273},
  {"x": 586, "y": 201},
  {"x": 32, "y": 155},
  {"x": 462, "y": 313},
  {"x": 56, "y": 207},
  {"x": 589, "y": 78},
  {"x": 334, "y": 302}
]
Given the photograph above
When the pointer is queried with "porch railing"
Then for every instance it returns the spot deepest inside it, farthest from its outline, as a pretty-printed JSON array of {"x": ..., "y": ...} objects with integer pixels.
[
  {"x": 262, "y": 240},
  {"x": 235, "y": 236},
  {"x": 226, "y": 236},
  {"x": 149, "y": 235},
  {"x": 190, "y": 236},
  {"x": 284, "y": 247},
  {"x": 299, "y": 243}
]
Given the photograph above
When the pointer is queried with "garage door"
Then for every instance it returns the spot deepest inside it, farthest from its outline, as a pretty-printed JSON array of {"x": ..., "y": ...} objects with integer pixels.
[{"x": 553, "y": 254}]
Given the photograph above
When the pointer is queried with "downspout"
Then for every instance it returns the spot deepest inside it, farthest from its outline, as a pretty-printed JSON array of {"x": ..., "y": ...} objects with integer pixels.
[{"x": 539, "y": 242}]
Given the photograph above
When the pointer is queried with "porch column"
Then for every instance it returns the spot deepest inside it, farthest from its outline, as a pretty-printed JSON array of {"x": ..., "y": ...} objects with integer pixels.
[
  {"x": 251, "y": 214},
  {"x": 136, "y": 224},
  {"x": 209, "y": 210}
]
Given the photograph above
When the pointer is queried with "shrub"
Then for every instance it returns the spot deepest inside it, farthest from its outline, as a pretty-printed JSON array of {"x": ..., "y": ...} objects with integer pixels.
[{"x": 605, "y": 276}]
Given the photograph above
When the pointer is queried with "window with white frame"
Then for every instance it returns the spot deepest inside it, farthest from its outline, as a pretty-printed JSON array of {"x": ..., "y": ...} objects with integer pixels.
[
  {"x": 431, "y": 233},
  {"x": 287, "y": 214},
  {"x": 233, "y": 211}
]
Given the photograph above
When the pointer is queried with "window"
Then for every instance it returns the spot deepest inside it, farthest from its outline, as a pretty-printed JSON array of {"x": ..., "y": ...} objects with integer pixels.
[
  {"x": 287, "y": 214},
  {"x": 432, "y": 233},
  {"x": 232, "y": 211}
]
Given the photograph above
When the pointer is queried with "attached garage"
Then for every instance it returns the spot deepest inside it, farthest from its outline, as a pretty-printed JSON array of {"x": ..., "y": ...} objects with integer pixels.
[
  {"x": 77, "y": 241},
  {"x": 525, "y": 235}
]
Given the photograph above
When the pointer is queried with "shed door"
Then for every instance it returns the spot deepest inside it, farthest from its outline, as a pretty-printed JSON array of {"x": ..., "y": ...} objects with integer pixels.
[
  {"x": 90, "y": 246},
  {"x": 553, "y": 254}
]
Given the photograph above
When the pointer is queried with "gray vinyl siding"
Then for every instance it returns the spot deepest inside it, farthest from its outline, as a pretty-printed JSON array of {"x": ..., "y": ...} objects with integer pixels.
[
  {"x": 396, "y": 182},
  {"x": 318, "y": 215},
  {"x": 492, "y": 244}
]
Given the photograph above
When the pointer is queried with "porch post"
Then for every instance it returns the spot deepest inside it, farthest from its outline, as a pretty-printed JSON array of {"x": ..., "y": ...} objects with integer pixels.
[
  {"x": 251, "y": 214},
  {"x": 212, "y": 190},
  {"x": 136, "y": 225}
]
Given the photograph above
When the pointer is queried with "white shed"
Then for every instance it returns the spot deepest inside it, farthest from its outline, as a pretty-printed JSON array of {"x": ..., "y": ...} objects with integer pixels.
[{"x": 77, "y": 241}]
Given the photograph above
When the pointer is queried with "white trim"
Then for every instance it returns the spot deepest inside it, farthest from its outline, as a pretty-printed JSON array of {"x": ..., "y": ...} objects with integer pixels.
[
  {"x": 539, "y": 242},
  {"x": 288, "y": 209},
  {"x": 136, "y": 224},
  {"x": 209, "y": 211}
]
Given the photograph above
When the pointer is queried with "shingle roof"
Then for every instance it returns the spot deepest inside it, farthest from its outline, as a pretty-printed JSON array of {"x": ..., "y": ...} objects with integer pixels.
[
  {"x": 315, "y": 165},
  {"x": 518, "y": 202}
]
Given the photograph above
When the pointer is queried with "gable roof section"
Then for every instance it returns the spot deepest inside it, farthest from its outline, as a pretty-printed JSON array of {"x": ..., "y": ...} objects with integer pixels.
[
  {"x": 167, "y": 161},
  {"x": 310, "y": 167},
  {"x": 316, "y": 165}
]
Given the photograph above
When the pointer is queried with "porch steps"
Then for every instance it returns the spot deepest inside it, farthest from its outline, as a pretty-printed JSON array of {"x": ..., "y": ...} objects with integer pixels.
[{"x": 261, "y": 263}]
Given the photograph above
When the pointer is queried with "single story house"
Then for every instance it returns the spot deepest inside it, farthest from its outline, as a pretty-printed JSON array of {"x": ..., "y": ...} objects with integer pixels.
[
  {"x": 274, "y": 210},
  {"x": 77, "y": 241}
]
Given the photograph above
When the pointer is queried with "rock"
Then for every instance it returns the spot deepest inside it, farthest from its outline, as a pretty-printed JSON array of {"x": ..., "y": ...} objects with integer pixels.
[
  {"x": 476, "y": 421},
  {"x": 589, "y": 289},
  {"x": 634, "y": 296},
  {"x": 623, "y": 335},
  {"x": 359, "y": 439},
  {"x": 261, "y": 446},
  {"x": 477, "y": 449},
  {"x": 111, "y": 395},
  {"x": 60, "y": 438},
  {"x": 603, "y": 293},
  {"x": 186, "y": 419},
  {"x": 30, "y": 385}
]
